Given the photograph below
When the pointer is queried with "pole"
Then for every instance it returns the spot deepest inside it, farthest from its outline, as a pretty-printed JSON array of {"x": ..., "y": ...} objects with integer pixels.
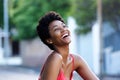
[
  {"x": 99, "y": 21},
  {"x": 6, "y": 30}
]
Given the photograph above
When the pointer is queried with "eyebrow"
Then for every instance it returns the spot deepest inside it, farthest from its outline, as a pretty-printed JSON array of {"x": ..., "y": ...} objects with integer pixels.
[
  {"x": 54, "y": 26},
  {"x": 57, "y": 25}
]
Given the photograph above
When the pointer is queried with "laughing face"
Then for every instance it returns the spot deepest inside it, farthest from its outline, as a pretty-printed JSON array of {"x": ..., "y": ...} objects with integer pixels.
[{"x": 60, "y": 35}]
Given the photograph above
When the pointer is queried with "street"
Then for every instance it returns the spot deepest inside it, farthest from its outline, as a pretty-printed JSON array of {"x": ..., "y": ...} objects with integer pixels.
[
  {"x": 25, "y": 73},
  {"x": 17, "y": 73}
]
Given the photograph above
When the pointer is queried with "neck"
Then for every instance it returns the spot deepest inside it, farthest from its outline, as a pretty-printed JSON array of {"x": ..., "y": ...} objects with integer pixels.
[{"x": 64, "y": 51}]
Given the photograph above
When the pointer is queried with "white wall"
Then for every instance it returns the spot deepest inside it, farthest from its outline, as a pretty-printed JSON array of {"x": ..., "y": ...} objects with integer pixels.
[
  {"x": 81, "y": 44},
  {"x": 72, "y": 26},
  {"x": 96, "y": 48},
  {"x": 112, "y": 60},
  {"x": 86, "y": 48}
]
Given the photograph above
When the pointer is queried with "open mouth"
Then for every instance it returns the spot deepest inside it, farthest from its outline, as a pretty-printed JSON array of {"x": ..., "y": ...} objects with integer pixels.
[{"x": 65, "y": 35}]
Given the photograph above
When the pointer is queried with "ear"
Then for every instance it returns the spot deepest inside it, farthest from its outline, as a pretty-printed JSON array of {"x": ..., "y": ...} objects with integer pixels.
[{"x": 49, "y": 41}]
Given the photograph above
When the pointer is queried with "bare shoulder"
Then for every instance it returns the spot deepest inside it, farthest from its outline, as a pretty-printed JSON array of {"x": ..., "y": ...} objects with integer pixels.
[
  {"x": 76, "y": 56},
  {"x": 52, "y": 64},
  {"x": 82, "y": 68},
  {"x": 78, "y": 60},
  {"x": 54, "y": 56},
  {"x": 53, "y": 59}
]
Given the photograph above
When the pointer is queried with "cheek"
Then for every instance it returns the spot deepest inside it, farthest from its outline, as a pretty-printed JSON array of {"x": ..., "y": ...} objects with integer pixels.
[{"x": 56, "y": 34}]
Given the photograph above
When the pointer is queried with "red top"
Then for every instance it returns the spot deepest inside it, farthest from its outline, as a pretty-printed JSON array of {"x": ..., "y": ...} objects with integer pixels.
[{"x": 61, "y": 74}]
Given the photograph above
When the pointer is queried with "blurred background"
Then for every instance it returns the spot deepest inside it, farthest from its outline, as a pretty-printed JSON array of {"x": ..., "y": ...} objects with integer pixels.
[{"x": 95, "y": 34}]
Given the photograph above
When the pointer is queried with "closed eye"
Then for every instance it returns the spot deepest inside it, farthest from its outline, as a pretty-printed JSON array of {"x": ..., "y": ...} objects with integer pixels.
[{"x": 57, "y": 29}]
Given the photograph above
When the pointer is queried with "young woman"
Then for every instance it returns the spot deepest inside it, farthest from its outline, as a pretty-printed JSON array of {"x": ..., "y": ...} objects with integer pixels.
[{"x": 60, "y": 64}]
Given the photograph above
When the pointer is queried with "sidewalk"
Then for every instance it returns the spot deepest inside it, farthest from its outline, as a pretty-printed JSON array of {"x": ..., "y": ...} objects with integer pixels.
[
  {"x": 17, "y": 73},
  {"x": 25, "y": 73},
  {"x": 111, "y": 78}
]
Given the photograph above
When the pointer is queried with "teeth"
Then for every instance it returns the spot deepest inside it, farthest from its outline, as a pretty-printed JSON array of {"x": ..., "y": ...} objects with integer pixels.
[{"x": 64, "y": 35}]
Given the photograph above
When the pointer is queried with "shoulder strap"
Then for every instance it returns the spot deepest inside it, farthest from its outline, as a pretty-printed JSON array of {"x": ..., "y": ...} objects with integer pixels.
[
  {"x": 72, "y": 61},
  {"x": 42, "y": 69},
  {"x": 39, "y": 78}
]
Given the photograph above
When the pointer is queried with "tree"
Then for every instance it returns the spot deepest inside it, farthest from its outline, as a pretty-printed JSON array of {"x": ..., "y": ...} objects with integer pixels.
[
  {"x": 86, "y": 14},
  {"x": 25, "y": 14},
  {"x": 111, "y": 12}
]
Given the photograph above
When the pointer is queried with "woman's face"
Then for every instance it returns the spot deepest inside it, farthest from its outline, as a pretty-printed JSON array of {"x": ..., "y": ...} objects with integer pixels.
[{"x": 60, "y": 35}]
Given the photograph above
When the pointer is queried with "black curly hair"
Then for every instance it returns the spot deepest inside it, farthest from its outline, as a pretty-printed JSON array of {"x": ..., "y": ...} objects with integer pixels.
[{"x": 43, "y": 26}]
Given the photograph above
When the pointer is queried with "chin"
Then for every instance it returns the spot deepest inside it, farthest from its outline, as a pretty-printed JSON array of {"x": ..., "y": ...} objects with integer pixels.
[{"x": 69, "y": 42}]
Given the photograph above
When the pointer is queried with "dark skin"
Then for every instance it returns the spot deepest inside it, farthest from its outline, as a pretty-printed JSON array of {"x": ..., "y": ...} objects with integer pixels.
[{"x": 60, "y": 58}]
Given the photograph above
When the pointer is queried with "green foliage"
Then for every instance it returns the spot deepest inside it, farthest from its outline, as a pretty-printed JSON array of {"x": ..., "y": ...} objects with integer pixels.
[
  {"x": 25, "y": 14},
  {"x": 111, "y": 12},
  {"x": 86, "y": 13},
  {"x": 1, "y": 13}
]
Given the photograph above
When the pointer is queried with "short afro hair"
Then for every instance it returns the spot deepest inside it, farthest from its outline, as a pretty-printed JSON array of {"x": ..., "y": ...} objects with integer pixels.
[{"x": 43, "y": 26}]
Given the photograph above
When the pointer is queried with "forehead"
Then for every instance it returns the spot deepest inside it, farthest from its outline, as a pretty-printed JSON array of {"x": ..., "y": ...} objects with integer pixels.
[{"x": 55, "y": 23}]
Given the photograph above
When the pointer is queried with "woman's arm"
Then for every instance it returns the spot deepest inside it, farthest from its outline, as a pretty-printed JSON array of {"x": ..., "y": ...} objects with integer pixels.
[
  {"x": 83, "y": 70},
  {"x": 52, "y": 67}
]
